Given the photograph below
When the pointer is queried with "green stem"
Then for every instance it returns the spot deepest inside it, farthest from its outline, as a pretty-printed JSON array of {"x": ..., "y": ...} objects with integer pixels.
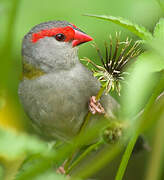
[
  {"x": 155, "y": 165},
  {"x": 106, "y": 155},
  {"x": 84, "y": 154},
  {"x": 126, "y": 157},
  {"x": 86, "y": 120},
  {"x": 69, "y": 160},
  {"x": 143, "y": 121},
  {"x": 100, "y": 93}
]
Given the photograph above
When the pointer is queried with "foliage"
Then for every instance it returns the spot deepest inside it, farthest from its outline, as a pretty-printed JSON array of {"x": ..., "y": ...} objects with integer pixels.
[
  {"x": 134, "y": 28},
  {"x": 24, "y": 157}
]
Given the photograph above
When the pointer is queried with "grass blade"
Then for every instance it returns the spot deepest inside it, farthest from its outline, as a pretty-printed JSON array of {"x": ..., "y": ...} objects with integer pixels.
[
  {"x": 126, "y": 157},
  {"x": 154, "y": 170}
]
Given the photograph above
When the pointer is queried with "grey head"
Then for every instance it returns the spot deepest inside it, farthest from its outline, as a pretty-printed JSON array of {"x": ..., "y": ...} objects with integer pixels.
[{"x": 52, "y": 46}]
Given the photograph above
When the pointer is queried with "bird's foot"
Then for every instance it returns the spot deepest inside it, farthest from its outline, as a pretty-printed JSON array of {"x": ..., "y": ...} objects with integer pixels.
[
  {"x": 95, "y": 106},
  {"x": 61, "y": 170}
]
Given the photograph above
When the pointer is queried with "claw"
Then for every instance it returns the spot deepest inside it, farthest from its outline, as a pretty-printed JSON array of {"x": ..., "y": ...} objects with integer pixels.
[
  {"x": 60, "y": 170},
  {"x": 95, "y": 106}
]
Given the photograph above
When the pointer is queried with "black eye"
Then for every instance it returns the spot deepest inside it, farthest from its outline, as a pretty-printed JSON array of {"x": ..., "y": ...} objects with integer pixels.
[{"x": 60, "y": 37}]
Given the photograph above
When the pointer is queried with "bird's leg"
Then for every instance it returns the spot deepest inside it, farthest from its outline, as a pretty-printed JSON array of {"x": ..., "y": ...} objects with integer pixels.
[
  {"x": 95, "y": 106},
  {"x": 60, "y": 170}
]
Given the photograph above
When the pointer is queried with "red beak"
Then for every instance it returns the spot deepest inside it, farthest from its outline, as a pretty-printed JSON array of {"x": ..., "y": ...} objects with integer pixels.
[{"x": 80, "y": 38}]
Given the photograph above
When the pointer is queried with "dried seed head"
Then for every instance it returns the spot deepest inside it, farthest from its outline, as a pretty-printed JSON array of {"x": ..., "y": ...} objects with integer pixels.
[{"x": 117, "y": 57}]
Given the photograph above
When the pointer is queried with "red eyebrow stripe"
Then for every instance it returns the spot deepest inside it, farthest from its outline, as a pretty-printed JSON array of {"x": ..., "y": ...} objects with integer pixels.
[{"x": 67, "y": 31}]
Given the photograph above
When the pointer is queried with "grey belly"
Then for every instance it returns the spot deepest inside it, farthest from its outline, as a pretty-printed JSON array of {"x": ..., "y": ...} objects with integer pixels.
[{"x": 57, "y": 103}]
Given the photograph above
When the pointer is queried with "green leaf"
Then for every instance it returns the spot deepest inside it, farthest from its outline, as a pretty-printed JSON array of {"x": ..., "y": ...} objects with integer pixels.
[
  {"x": 147, "y": 116},
  {"x": 43, "y": 164},
  {"x": 153, "y": 61},
  {"x": 161, "y": 4},
  {"x": 158, "y": 41},
  {"x": 140, "y": 31},
  {"x": 159, "y": 29},
  {"x": 33, "y": 161},
  {"x": 12, "y": 145},
  {"x": 141, "y": 82},
  {"x": 50, "y": 175},
  {"x": 155, "y": 166},
  {"x": 30, "y": 161}
]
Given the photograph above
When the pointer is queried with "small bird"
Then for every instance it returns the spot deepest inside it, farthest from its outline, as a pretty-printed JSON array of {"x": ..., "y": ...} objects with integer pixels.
[{"x": 56, "y": 90}]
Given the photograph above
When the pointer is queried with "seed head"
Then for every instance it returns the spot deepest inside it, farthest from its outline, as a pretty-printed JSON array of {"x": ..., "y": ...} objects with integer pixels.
[{"x": 112, "y": 69}]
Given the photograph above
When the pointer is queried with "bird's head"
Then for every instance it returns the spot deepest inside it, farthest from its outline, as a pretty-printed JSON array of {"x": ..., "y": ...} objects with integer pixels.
[{"x": 53, "y": 45}]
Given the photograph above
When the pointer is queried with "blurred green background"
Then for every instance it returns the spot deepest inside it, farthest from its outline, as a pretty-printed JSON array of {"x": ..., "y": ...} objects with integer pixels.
[{"x": 32, "y": 12}]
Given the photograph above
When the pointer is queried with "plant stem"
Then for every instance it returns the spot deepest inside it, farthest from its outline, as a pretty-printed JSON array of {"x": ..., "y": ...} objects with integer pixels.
[
  {"x": 106, "y": 155},
  {"x": 126, "y": 157},
  {"x": 69, "y": 160},
  {"x": 86, "y": 120},
  {"x": 155, "y": 165},
  {"x": 84, "y": 154},
  {"x": 142, "y": 122}
]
